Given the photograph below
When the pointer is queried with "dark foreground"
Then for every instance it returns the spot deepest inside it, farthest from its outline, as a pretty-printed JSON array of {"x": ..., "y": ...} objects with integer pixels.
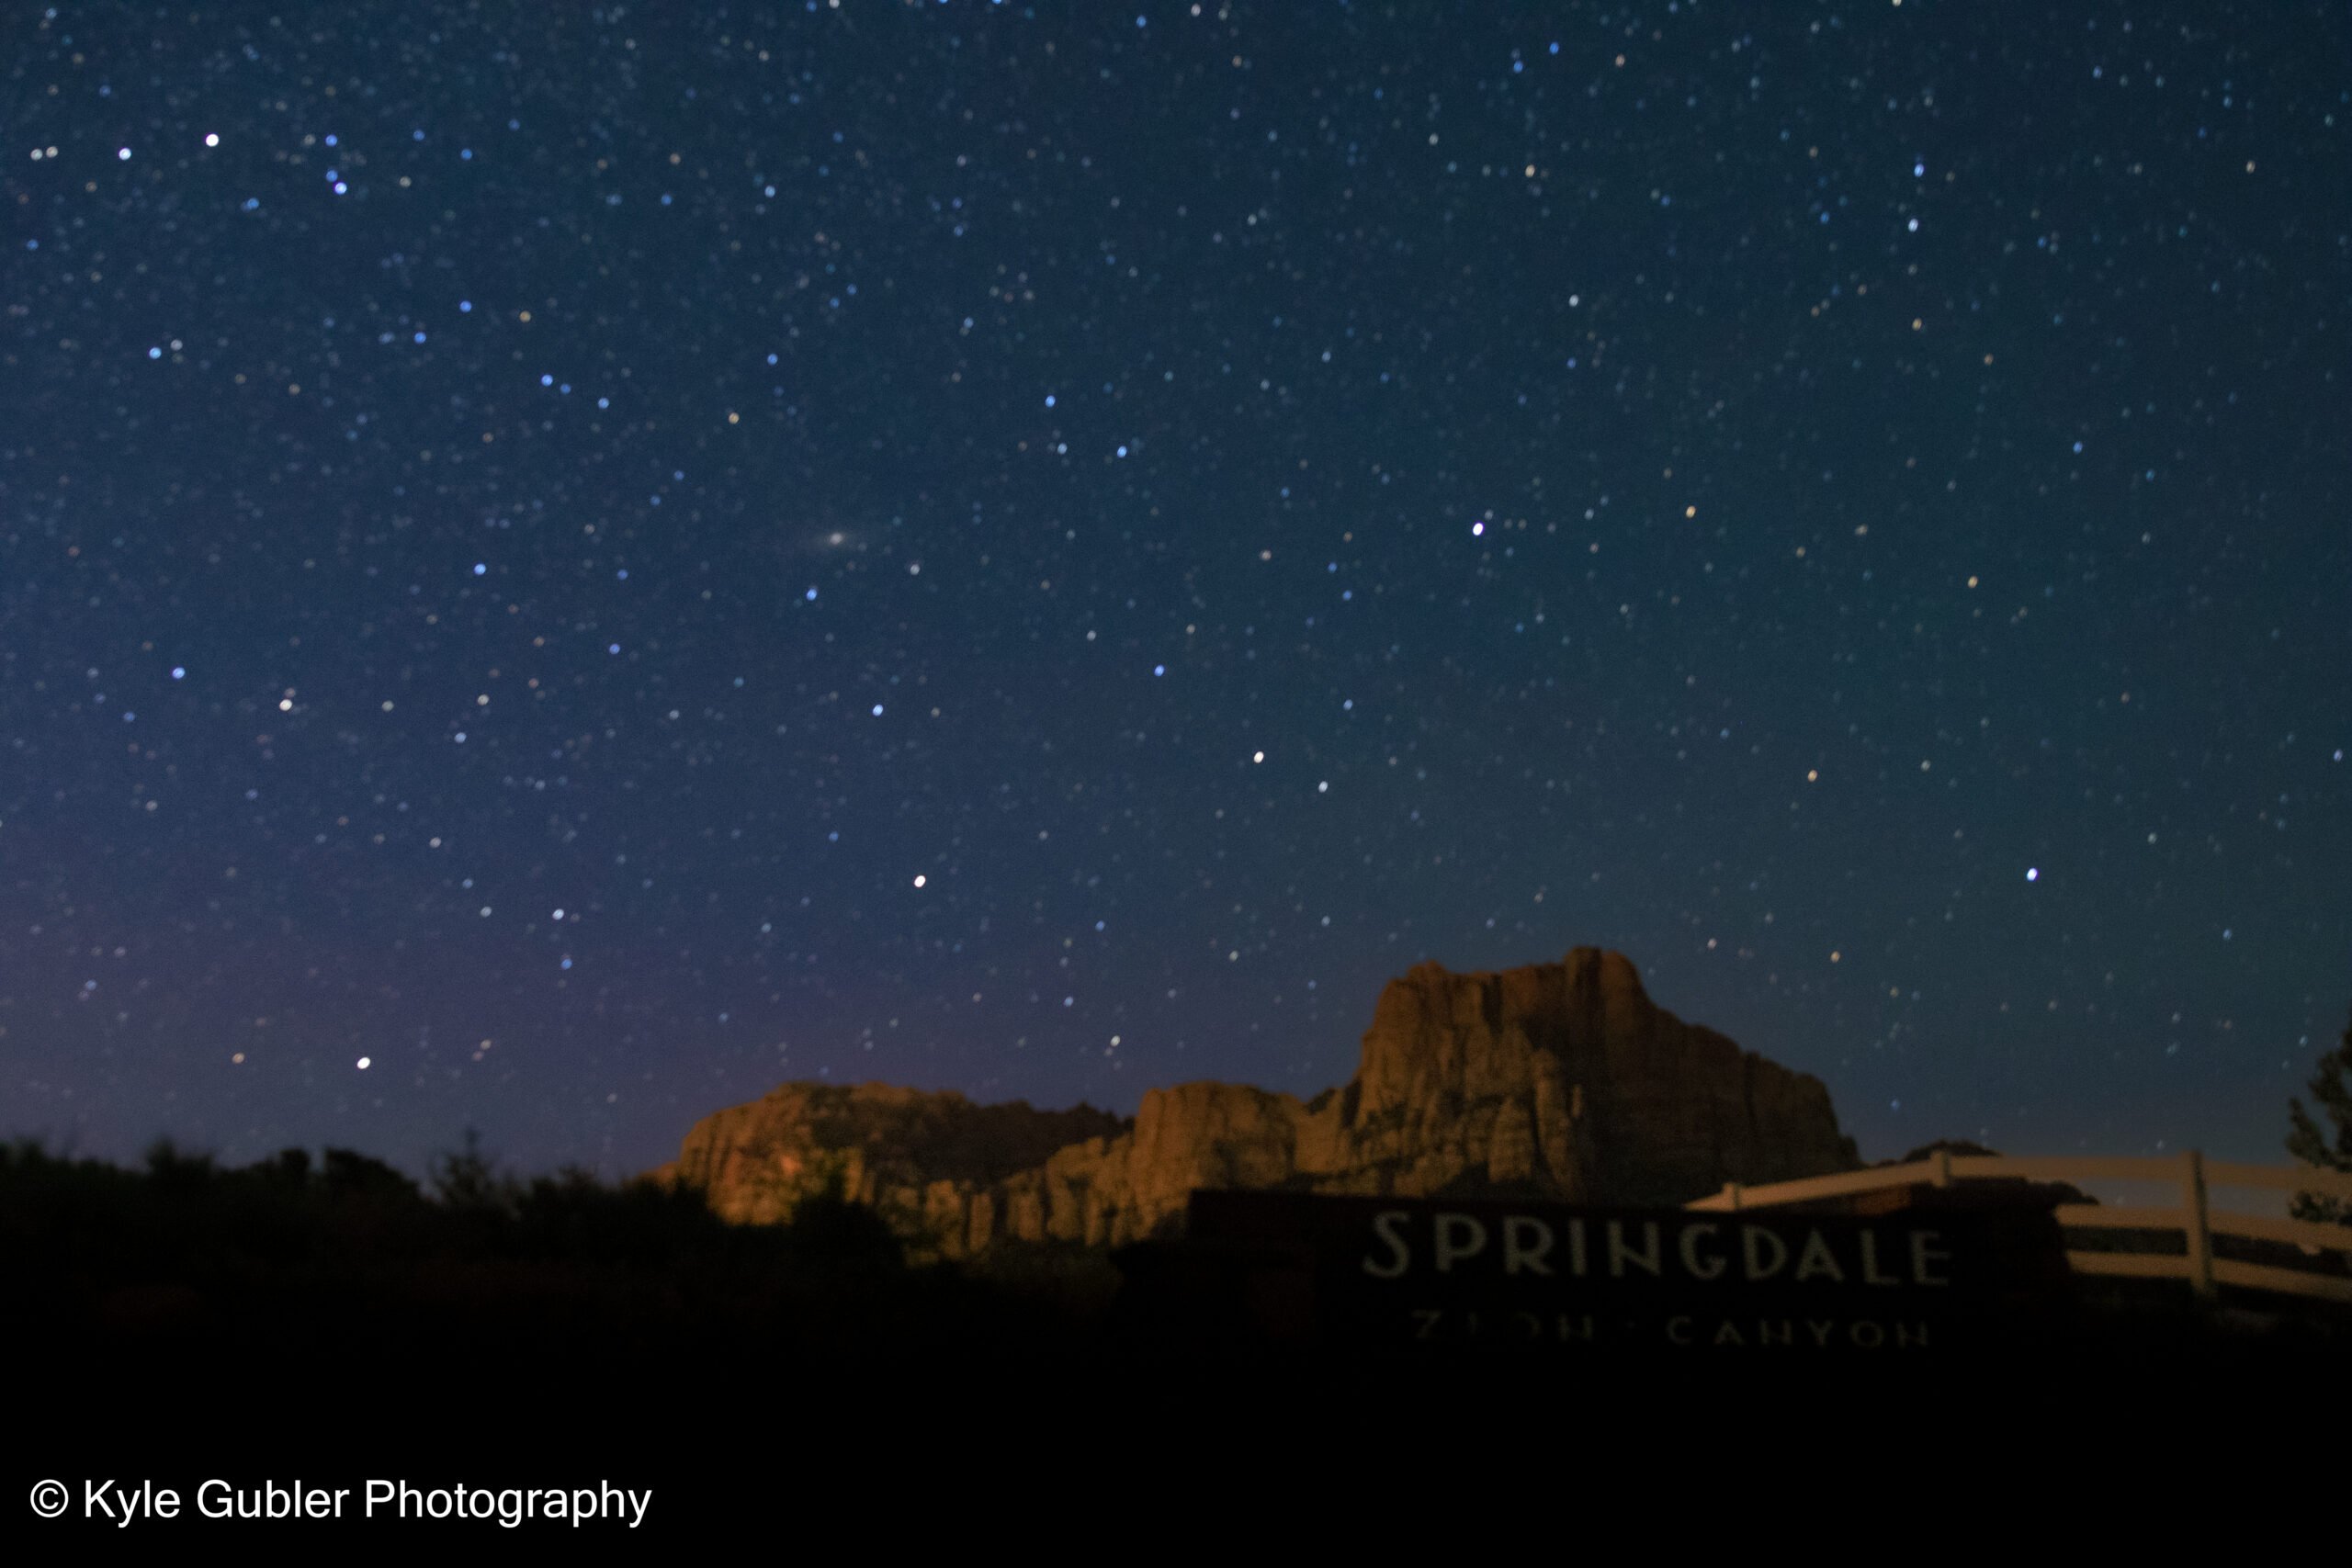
[{"x": 330, "y": 1325}]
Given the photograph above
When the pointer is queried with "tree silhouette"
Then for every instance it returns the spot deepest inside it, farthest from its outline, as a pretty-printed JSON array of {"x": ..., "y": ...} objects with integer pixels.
[
  {"x": 471, "y": 1178},
  {"x": 2330, "y": 1086},
  {"x": 831, "y": 1227}
]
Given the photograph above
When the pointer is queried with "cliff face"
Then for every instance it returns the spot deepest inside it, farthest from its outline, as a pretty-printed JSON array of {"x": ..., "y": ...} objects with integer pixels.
[
  {"x": 889, "y": 1147},
  {"x": 1561, "y": 1080}
]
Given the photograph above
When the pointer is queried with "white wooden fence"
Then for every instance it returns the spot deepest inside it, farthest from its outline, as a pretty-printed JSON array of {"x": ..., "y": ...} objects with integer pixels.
[{"x": 2196, "y": 1218}]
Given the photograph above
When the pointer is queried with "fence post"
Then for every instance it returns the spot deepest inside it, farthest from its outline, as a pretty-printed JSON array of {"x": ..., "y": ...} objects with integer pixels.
[
  {"x": 2201, "y": 1239},
  {"x": 1731, "y": 1196}
]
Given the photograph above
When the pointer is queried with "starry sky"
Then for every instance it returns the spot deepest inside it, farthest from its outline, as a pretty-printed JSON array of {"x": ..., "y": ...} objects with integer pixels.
[{"x": 561, "y": 565}]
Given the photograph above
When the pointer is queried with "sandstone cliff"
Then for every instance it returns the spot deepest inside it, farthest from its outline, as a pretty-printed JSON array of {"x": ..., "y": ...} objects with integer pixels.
[
  {"x": 885, "y": 1145},
  {"x": 1563, "y": 1081}
]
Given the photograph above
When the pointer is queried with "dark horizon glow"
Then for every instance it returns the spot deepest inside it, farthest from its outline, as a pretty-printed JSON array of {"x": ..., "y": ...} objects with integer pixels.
[{"x": 597, "y": 562}]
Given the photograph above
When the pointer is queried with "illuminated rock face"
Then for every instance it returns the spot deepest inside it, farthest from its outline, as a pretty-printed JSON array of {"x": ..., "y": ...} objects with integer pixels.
[
  {"x": 886, "y": 1145},
  {"x": 1558, "y": 1080}
]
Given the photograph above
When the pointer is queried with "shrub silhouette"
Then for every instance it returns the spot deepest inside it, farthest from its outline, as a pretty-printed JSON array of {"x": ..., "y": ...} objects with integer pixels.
[
  {"x": 2328, "y": 1148},
  {"x": 172, "y": 1166},
  {"x": 344, "y": 1260},
  {"x": 349, "y": 1174},
  {"x": 471, "y": 1179},
  {"x": 829, "y": 1226}
]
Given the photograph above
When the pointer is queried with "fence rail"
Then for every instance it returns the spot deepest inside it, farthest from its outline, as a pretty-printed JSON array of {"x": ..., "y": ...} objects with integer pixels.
[{"x": 2195, "y": 1219}]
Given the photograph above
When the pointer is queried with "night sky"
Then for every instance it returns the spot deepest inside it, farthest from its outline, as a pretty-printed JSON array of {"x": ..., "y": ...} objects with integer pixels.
[{"x": 561, "y": 565}]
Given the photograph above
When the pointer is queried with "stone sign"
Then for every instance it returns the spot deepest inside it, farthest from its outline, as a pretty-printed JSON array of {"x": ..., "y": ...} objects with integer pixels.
[{"x": 1534, "y": 1276}]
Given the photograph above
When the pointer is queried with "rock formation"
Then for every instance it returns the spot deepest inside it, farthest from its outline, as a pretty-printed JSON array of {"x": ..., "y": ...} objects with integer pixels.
[
  {"x": 1558, "y": 1080},
  {"x": 885, "y": 1145}
]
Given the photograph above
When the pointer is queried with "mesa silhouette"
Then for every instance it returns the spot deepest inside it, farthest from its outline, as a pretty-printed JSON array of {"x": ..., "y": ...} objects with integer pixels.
[{"x": 1555, "y": 1080}]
